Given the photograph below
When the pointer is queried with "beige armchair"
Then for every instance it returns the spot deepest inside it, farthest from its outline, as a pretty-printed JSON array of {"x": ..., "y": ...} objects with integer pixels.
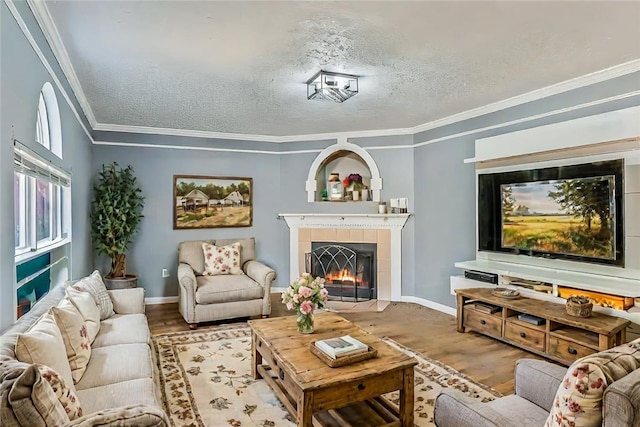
[{"x": 205, "y": 298}]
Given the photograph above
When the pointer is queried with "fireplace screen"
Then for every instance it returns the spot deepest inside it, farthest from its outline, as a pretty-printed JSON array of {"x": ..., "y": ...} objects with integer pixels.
[{"x": 348, "y": 269}]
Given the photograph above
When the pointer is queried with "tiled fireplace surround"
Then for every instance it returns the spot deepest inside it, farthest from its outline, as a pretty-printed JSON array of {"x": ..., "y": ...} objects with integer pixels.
[{"x": 385, "y": 230}]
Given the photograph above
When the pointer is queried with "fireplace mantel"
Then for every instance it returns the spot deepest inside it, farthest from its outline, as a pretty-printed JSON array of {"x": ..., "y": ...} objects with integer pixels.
[
  {"x": 323, "y": 220},
  {"x": 388, "y": 290}
]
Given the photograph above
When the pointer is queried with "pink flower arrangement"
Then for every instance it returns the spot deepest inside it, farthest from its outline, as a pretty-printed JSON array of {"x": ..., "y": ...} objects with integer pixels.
[{"x": 305, "y": 294}]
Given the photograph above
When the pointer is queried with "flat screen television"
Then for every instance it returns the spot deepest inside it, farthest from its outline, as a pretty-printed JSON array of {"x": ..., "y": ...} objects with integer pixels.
[{"x": 570, "y": 212}]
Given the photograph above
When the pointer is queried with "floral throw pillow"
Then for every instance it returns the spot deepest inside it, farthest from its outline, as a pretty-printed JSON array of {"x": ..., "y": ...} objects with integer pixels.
[
  {"x": 65, "y": 395},
  {"x": 578, "y": 401},
  {"x": 75, "y": 336},
  {"x": 221, "y": 259}
]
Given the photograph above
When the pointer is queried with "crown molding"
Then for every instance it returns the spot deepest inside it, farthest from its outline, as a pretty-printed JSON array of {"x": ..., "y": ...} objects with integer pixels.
[
  {"x": 248, "y": 137},
  {"x": 46, "y": 64},
  {"x": 529, "y": 118},
  {"x": 565, "y": 86},
  {"x": 45, "y": 21},
  {"x": 385, "y": 147}
]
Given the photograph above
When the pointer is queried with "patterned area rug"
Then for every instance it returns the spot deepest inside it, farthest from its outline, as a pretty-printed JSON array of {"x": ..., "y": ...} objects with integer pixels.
[{"x": 206, "y": 380}]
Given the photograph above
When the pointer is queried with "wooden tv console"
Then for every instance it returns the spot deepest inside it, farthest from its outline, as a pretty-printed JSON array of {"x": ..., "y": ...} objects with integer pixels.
[{"x": 559, "y": 337}]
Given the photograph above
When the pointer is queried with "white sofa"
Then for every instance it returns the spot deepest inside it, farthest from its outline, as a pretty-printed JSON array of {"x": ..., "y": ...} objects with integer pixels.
[{"x": 118, "y": 386}]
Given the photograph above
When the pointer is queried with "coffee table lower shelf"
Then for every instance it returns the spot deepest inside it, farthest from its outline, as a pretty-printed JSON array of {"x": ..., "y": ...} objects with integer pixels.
[{"x": 377, "y": 411}]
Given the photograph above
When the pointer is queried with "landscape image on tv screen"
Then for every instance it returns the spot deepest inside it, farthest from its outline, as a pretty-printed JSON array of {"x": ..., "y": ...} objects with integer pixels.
[{"x": 567, "y": 216}]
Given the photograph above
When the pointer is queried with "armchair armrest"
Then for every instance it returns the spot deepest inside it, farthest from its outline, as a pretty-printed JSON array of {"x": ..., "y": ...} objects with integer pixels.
[
  {"x": 125, "y": 416},
  {"x": 264, "y": 276},
  {"x": 538, "y": 381},
  {"x": 621, "y": 401},
  {"x": 261, "y": 273},
  {"x": 454, "y": 409},
  {"x": 187, "y": 292},
  {"x": 127, "y": 301}
]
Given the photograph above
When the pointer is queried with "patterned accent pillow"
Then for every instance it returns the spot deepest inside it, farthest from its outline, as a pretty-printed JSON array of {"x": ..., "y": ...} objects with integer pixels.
[
  {"x": 67, "y": 396},
  {"x": 578, "y": 401},
  {"x": 28, "y": 399},
  {"x": 221, "y": 259},
  {"x": 87, "y": 307},
  {"x": 95, "y": 286},
  {"x": 75, "y": 337},
  {"x": 43, "y": 344}
]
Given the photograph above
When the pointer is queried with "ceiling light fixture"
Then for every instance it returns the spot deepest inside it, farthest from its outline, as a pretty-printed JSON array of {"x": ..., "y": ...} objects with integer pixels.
[{"x": 328, "y": 86}]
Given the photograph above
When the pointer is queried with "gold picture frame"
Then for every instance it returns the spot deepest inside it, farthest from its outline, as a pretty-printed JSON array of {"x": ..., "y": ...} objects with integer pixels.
[{"x": 212, "y": 202}]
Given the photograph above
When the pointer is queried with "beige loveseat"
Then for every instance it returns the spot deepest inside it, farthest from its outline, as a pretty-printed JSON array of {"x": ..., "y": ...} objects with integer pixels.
[
  {"x": 204, "y": 298},
  {"x": 117, "y": 387}
]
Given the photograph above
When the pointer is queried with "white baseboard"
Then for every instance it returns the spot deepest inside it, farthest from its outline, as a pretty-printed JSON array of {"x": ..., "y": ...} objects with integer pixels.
[
  {"x": 423, "y": 302},
  {"x": 430, "y": 304},
  {"x": 160, "y": 300}
]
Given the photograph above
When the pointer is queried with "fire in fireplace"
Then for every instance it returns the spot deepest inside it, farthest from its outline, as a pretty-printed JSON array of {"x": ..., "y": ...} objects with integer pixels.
[{"x": 348, "y": 268}]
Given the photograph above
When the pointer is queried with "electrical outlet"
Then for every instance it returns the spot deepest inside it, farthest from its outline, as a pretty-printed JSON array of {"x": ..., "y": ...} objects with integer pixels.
[{"x": 165, "y": 272}]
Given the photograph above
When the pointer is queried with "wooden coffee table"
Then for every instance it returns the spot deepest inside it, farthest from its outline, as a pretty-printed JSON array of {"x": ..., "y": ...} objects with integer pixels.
[{"x": 316, "y": 394}]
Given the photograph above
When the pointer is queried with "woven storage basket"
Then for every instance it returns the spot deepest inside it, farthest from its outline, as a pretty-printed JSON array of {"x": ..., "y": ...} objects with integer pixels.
[{"x": 578, "y": 309}]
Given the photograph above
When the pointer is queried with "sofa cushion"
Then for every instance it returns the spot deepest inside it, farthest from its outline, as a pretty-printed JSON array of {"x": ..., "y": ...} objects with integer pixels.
[
  {"x": 96, "y": 287},
  {"x": 217, "y": 289},
  {"x": 86, "y": 305},
  {"x": 122, "y": 329},
  {"x": 190, "y": 252},
  {"x": 43, "y": 344},
  {"x": 578, "y": 401},
  {"x": 247, "y": 248},
  {"x": 74, "y": 334},
  {"x": 133, "y": 392},
  {"x": 117, "y": 363},
  {"x": 221, "y": 259}
]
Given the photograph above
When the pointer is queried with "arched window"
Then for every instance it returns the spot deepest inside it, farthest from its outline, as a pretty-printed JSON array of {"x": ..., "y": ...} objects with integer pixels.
[{"x": 48, "y": 126}]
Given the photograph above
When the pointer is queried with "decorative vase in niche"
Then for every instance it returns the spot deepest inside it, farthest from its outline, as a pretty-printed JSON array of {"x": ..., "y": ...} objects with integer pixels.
[
  {"x": 305, "y": 322},
  {"x": 356, "y": 195}
]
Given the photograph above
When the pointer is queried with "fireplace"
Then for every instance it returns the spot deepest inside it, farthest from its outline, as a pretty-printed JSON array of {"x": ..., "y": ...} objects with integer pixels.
[
  {"x": 384, "y": 230},
  {"x": 348, "y": 268}
]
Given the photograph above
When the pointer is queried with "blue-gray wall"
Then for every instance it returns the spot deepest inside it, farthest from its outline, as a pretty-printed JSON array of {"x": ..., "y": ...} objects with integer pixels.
[
  {"x": 155, "y": 245},
  {"x": 22, "y": 77}
]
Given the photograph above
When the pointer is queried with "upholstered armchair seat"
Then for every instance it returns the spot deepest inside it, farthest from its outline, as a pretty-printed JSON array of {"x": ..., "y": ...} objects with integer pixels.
[
  {"x": 215, "y": 290},
  {"x": 205, "y": 298}
]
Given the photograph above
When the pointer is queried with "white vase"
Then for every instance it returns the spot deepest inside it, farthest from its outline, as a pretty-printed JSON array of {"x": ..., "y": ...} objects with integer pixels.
[{"x": 356, "y": 195}]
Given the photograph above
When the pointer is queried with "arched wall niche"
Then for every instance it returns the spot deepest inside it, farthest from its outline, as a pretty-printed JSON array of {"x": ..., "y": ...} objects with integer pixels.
[{"x": 342, "y": 150}]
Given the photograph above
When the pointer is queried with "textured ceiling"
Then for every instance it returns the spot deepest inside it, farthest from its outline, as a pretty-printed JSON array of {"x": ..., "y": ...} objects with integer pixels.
[{"x": 240, "y": 67}]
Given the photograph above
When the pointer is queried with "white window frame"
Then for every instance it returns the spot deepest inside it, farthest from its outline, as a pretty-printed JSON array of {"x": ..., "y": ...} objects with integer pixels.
[{"x": 30, "y": 167}]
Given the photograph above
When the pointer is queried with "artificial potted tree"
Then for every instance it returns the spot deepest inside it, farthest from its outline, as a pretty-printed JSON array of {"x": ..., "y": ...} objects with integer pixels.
[{"x": 115, "y": 215}]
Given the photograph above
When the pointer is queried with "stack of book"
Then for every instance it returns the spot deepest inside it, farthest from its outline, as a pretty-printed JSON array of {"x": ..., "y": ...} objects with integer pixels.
[{"x": 339, "y": 347}]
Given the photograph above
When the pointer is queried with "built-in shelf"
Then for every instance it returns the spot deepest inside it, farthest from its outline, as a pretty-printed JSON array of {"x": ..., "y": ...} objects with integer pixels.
[{"x": 623, "y": 286}]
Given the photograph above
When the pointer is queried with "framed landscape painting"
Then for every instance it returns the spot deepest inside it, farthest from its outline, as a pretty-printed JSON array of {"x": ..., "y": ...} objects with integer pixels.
[{"x": 211, "y": 202}]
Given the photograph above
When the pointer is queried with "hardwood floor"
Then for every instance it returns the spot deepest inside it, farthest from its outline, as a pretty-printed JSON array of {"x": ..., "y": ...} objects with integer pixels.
[{"x": 427, "y": 331}]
